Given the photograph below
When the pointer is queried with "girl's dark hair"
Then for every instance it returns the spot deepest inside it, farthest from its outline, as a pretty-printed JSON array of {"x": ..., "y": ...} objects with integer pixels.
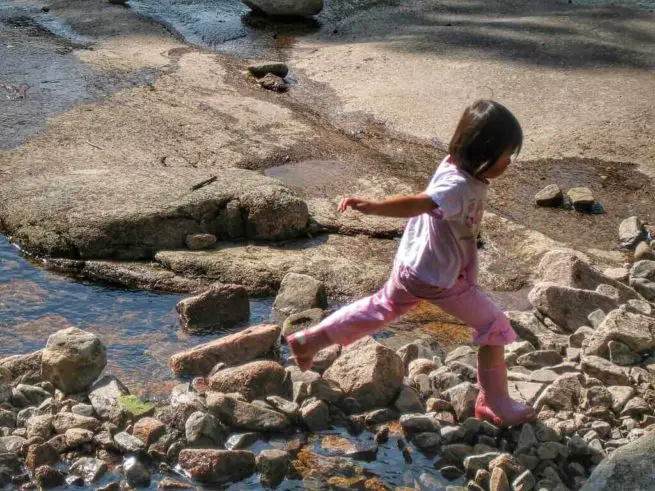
[{"x": 486, "y": 131}]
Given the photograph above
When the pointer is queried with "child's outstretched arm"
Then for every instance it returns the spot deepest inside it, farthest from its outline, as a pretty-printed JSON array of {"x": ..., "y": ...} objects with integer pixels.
[{"x": 396, "y": 206}]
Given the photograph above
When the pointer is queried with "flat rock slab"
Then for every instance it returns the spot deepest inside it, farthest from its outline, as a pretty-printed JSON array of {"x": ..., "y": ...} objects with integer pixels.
[{"x": 348, "y": 266}]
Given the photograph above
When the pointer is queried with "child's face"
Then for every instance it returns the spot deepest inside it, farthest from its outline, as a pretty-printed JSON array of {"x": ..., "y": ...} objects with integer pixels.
[{"x": 499, "y": 167}]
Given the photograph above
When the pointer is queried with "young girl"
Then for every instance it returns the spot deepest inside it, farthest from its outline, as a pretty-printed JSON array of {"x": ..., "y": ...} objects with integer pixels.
[{"x": 437, "y": 258}]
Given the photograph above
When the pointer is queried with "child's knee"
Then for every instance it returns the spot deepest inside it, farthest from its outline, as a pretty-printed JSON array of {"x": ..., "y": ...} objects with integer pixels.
[{"x": 498, "y": 332}]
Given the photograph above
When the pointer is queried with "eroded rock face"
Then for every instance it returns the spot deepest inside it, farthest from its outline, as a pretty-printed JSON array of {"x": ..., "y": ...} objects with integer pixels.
[
  {"x": 235, "y": 348},
  {"x": 73, "y": 360},
  {"x": 219, "y": 307},
  {"x": 368, "y": 372}
]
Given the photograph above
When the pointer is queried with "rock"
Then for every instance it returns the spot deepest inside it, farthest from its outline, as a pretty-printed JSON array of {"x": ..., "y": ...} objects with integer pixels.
[
  {"x": 168, "y": 483},
  {"x": 635, "y": 408},
  {"x": 72, "y": 360},
  {"x": 325, "y": 390},
  {"x": 104, "y": 397},
  {"x": 40, "y": 426},
  {"x": 621, "y": 354},
  {"x": 83, "y": 410},
  {"x": 128, "y": 443},
  {"x": 22, "y": 368},
  {"x": 240, "y": 441},
  {"x": 451, "y": 472},
  {"x": 302, "y": 320},
  {"x": 629, "y": 467},
  {"x": 196, "y": 242},
  {"x": 473, "y": 463},
  {"x": 529, "y": 328},
  {"x": 272, "y": 464},
  {"x": 243, "y": 415},
  {"x": 290, "y": 409},
  {"x": 380, "y": 416},
  {"x": 596, "y": 318},
  {"x": 644, "y": 287},
  {"x": 233, "y": 349},
  {"x": 149, "y": 430},
  {"x": 421, "y": 348},
  {"x": 7, "y": 418},
  {"x": 543, "y": 376},
  {"x": 304, "y": 8},
  {"x": 540, "y": 359},
  {"x": 598, "y": 396},
  {"x": 298, "y": 293},
  {"x": 642, "y": 277},
  {"x": 563, "y": 394},
  {"x": 551, "y": 195},
  {"x": 499, "y": 481},
  {"x": 620, "y": 397},
  {"x": 568, "y": 307},
  {"x": 525, "y": 482},
  {"x": 427, "y": 441},
  {"x": 276, "y": 68},
  {"x": 527, "y": 392},
  {"x": 315, "y": 414},
  {"x": 326, "y": 357},
  {"x": 222, "y": 306},
  {"x": 634, "y": 330},
  {"x": 274, "y": 83},
  {"x": 418, "y": 423},
  {"x": 369, "y": 373},
  {"x": 566, "y": 268},
  {"x": 76, "y": 437},
  {"x": 217, "y": 466},
  {"x": 89, "y": 469},
  {"x": 38, "y": 455},
  {"x": 581, "y": 198},
  {"x": 644, "y": 252},
  {"x": 204, "y": 431},
  {"x": 253, "y": 380},
  {"x": 408, "y": 401},
  {"x": 463, "y": 397},
  {"x": 604, "y": 370},
  {"x": 12, "y": 444},
  {"x": 618, "y": 274},
  {"x": 48, "y": 477},
  {"x": 640, "y": 307},
  {"x": 421, "y": 366},
  {"x": 137, "y": 475},
  {"x": 63, "y": 422},
  {"x": 631, "y": 232},
  {"x": 443, "y": 379}
]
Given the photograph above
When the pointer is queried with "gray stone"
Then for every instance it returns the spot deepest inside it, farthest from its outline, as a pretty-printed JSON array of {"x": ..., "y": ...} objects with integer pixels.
[
  {"x": 634, "y": 330},
  {"x": 368, "y": 372},
  {"x": 596, "y": 318},
  {"x": 289, "y": 408},
  {"x": 63, "y": 422},
  {"x": 217, "y": 466},
  {"x": 631, "y": 232},
  {"x": 259, "y": 70},
  {"x": 524, "y": 482},
  {"x": 299, "y": 292},
  {"x": 581, "y": 198},
  {"x": 408, "y": 401},
  {"x": 463, "y": 354},
  {"x": 240, "y": 441},
  {"x": 636, "y": 408},
  {"x": 563, "y": 394},
  {"x": 629, "y": 467},
  {"x": 83, "y": 410},
  {"x": 529, "y": 328},
  {"x": 643, "y": 269},
  {"x": 302, "y": 320},
  {"x": 12, "y": 444},
  {"x": 253, "y": 380},
  {"x": 618, "y": 274},
  {"x": 598, "y": 396},
  {"x": 72, "y": 360},
  {"x": 325, "y": 390},
  {"x": 326, "y": 357},
  {"x": 427, "y": 441},
  {"x": 604, "y": 370},
  {"x": 105, "y": 395},
  {"x": 578, "y": 337},
  {"x": 568, "y": 307},
  {"x": 644, "y": 286},
  {"x": 621, "y": 354},
  {"x": 421, "y": 349},
  {"x": 620, "y": 396},
  {"x": 315, "y": 414},
  {"x": 222, "y": 306},
  {"x": 551, "y": 195},
  {"x": 643, "y": 251},
  {"x": 540, "y": 359},
  {"x": 418, "y": 423},
  {"x": 543, "y": 376},
  {"x": 640, "y": 307},
  {"x": 473, "y": 463},
  {"x": 128, "y": 443},
  {"x": 234, "y": 349},
  {"x": 137, "y": 474},
  {"x": 243, "y": 415},
  {"x": 443, "y": 379},
  {"x": 463, "y": 397},
  {"x": 40, "y": 426},
  {"x": 273, "y": 465},
  {"x": 304, "y": 8},
  {"x": 204, "y": 430},
  {"x": 196, "y": 242}
]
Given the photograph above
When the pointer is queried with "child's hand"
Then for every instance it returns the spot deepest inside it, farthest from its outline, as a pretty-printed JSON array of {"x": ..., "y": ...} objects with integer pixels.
[{"x": 361, "y": 205}]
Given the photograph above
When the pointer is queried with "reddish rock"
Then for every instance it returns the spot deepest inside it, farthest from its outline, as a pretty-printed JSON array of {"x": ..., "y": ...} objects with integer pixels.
[
  {"x": 39, "y": 455},
  {"x": 217, "y": 466},
  {"x": 148, "y": 430},
  {"x": 220, "y": 306},
  {"x": 253, "y": 380},
  {"x": 231, "y": 350}
]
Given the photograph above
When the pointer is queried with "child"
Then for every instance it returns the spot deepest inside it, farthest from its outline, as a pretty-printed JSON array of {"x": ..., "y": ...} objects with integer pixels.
[{"x": 437, "y": 258}]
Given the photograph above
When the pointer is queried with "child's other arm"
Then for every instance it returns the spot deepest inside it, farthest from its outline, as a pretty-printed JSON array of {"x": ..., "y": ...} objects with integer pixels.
[{"x": 396, "y": 206}]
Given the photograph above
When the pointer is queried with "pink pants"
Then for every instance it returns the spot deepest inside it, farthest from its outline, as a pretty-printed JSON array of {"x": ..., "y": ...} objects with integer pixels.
[{"x": 401, "y": 292}]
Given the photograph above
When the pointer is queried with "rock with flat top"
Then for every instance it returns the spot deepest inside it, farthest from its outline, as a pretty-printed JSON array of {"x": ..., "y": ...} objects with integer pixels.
[
  {"x": 605, "y": 371},
  {"x": 299, "y": 292},
  {"x": 286, "y": 8},
  {"x": 219, "y": 307},
  {"x": 529, "y": 328},
  {"x": 581, "y": 198},
  {"x": 551, "y": 196},
  {"x": 259, "y": 70},
  {"x": 254, "y": 380},
  {"x": 243, "y": 415}
]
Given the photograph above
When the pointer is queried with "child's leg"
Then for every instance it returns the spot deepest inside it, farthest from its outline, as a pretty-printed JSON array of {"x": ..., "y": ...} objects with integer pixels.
[
  {"x": 493, "y": 332},
  {"x": 352, "y": 322}
]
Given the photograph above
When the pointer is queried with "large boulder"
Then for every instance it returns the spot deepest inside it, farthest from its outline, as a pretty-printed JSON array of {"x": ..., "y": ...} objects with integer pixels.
[
  {"x": 231, "y": 350},
  {"x": 628, "y": 467},
  {"x": 243, "y": 415},
  {"x": 219, "y": 307},
  {"x": 368, "y": 372},
  {"x": 299, "y": 292},
  {"x": 217, "y": 466},
  {"x": 293, "y": 8},
  {"x": 529, "y": 328},
  {"x": 253, "y": 380},
  {"x": 634, "y": 330},
  {"x": 568, "y": 307},
  {"x": 73, "y": 360},
  {"x": 566, "y": 268}
]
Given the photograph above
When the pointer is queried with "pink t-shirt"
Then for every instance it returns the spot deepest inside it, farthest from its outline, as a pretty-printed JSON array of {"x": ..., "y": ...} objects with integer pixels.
[{"x": 438, "y": 246}]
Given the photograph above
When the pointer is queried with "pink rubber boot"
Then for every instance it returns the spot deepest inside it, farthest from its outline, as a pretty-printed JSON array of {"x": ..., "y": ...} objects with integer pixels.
[
  {"x": 305, "y": 344},
  {"x": 494, "y": 403}
]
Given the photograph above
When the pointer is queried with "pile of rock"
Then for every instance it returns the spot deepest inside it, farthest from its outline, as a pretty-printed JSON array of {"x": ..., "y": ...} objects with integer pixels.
[{"x": 580, "y": 199}]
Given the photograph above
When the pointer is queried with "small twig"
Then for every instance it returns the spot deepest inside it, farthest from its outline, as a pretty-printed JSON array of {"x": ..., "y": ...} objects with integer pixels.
[
  {"x": 202, "y": 184},
  {"x": 94, "y": 145}
]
